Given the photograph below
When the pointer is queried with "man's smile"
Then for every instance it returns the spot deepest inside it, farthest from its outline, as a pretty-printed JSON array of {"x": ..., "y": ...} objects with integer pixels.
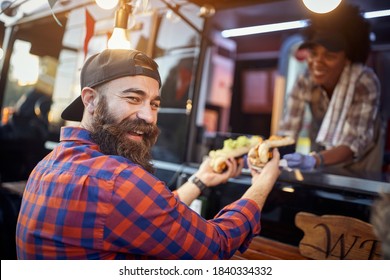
[{"x": 136, "y": 135}]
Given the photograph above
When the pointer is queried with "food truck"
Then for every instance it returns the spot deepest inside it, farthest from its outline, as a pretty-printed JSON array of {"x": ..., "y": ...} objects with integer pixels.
[{"x": 214, "y": 87}]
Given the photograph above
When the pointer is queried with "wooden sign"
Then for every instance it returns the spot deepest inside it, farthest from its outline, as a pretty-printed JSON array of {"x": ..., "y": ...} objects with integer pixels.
[{"x": 332, "y": 237}]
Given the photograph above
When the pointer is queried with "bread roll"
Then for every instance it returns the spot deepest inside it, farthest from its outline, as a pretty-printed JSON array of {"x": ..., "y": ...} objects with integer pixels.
[
  {"x": 259, "y": 155},
  {"x": 232, "y": 149}
]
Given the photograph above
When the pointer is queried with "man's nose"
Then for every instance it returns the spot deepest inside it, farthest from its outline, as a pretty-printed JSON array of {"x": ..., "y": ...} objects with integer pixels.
[{"x": 146, "y": 113}]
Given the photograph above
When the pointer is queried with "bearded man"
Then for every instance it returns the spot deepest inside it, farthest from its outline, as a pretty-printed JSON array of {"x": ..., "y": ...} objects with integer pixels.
[{"x": 94, "y": 197}]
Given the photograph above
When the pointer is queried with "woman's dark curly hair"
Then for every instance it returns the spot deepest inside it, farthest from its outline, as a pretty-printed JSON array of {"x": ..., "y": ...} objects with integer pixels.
[{"x": 348, "y": 21}]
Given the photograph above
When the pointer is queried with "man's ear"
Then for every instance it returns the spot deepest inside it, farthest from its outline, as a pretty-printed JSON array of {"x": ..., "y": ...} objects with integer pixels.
[{"x": 90, "y": 99}]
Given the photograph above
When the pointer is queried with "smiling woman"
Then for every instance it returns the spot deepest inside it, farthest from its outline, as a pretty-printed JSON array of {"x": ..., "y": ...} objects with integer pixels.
[
  {"x": 326, "y": 67},
  {"x": 341, "y": 93}
]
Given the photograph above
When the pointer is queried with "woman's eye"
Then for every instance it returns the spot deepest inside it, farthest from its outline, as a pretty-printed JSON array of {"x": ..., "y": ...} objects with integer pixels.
[
  {"x": 312, "y": 54},
  {"x": 330, "y": 56}
]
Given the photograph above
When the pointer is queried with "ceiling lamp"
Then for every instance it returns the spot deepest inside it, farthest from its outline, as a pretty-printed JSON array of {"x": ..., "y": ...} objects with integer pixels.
[
  {"x": 321, "y": 6},
  {"x": 286, "y": 25},
  {"x": 119, "y": 38},
  {"x": 107, "y": 4}
]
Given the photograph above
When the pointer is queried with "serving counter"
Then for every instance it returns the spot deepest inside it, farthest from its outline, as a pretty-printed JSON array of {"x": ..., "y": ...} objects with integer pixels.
[{"x": 322, "y": 192}]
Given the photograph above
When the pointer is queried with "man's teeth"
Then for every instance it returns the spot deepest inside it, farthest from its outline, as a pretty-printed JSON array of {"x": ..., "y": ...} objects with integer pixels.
[{"x": 139, "y": 132}]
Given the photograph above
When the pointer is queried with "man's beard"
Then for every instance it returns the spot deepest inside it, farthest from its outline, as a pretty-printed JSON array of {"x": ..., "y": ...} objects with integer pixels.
[{"x": 112, "y": 137}]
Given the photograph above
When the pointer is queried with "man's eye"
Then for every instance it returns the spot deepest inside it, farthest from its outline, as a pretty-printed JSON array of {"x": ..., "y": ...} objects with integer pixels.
[
  {"x": 133, "y": 99},
  {"x": 156, "y": 105}
]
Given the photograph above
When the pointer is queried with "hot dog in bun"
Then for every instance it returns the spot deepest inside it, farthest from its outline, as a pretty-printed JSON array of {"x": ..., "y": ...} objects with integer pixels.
[
  {"x": 259, "y": 155},
  {"x": 232, "y": 149}
]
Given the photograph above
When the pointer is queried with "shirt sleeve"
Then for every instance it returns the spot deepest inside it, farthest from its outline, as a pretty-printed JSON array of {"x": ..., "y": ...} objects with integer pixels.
[
  {"x": 291, "y": 123},
  {"x": 358, "y": 130},
  {"x": 147, "y": 219}
]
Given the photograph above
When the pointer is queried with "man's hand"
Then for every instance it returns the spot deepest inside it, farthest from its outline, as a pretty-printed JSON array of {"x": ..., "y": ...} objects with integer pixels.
[
  {"x": 263, "y": 181},
  {"x": 211, "y": 178},
  {"x": 188, "y": 191},
  {"x": 300, "y": 161}
]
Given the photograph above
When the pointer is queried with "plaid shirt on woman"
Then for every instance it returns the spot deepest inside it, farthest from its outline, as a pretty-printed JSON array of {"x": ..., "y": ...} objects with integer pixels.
[
  {"x": 358, "y": 129},
  {"x": 82, "y": 204}
]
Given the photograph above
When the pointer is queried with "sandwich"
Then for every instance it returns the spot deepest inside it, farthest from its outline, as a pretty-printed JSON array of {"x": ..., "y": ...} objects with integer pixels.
[
  {"x": 232, "y": 148},
  {"x": 259, "y": 155}
]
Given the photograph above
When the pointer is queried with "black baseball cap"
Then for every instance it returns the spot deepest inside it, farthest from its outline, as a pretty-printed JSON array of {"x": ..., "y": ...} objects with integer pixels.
[
  {"x": 104, "y": 67},
  {"x": 332, "y": 41}
]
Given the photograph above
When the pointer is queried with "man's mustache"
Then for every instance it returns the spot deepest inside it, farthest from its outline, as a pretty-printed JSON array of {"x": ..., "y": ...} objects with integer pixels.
[
  {"x": 149, "y": 131},
  {"x": 139, "y": 125}
]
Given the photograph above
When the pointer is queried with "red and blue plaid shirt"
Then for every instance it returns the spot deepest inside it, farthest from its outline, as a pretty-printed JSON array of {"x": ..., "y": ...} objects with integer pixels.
[{"x": 82, "y": 204}]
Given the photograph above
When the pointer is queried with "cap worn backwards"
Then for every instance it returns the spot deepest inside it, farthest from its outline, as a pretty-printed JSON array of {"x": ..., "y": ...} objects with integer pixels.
[{"x": 104, "y": 67}]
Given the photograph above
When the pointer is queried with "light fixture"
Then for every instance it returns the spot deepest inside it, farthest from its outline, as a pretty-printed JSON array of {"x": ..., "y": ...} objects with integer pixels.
[
  {"x": 107, "y": 4},
  {"x": 119, "y": 38},
  {"x": 258, "y": 29},
  {"x": 376, "y": 14},
  {"x": 321, "y": 6}
]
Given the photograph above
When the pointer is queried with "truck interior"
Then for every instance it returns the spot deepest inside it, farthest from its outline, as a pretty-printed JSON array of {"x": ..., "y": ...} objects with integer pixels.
[
  {"x": 214, "y": 87},
  {"x": 213, "y": 76}
]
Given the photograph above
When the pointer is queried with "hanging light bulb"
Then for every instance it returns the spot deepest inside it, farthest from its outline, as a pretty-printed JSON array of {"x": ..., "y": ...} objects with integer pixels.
[
  {"x": 107, "y": 4},
  {"x": 119, "y": 38},
  {"x": 321, "y": 6}
]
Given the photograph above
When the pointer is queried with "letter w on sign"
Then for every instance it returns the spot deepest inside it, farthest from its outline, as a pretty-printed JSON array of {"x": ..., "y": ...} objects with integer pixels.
[{"x": 333, "y": 237}]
